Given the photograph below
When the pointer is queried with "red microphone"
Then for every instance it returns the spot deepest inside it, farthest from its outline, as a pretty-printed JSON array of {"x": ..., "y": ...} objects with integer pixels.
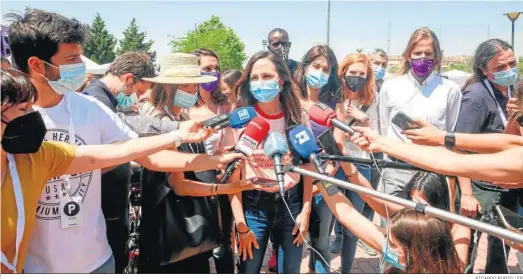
[
  {"x": 252, "y": 136},
  {"x": 324, "y": 115}
]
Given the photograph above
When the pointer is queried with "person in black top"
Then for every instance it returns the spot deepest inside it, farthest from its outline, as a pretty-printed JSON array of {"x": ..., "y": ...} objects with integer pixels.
[
  {"x": 123, "y": 77},
  {"x": 280, "y": 45},
  {"x": 483, "y": 110}
]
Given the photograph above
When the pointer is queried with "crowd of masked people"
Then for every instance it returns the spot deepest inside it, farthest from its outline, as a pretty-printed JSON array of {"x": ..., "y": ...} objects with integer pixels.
[{"x": 71, "y": 143}]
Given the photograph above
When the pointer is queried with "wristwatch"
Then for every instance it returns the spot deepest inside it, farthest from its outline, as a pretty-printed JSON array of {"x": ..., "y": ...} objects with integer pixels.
[{"x": 450, "y": 140}]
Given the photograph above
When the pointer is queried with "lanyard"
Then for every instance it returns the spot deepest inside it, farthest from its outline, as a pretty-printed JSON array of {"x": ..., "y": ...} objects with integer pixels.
[
  {"x": 503, "y": 118},
  {"x": 72, "y": 140},
  {"x": 20, "y": 222}
]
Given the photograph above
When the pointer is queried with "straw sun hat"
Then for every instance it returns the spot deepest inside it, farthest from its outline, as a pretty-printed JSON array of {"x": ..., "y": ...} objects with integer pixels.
[{"x": 180, "y": 68}]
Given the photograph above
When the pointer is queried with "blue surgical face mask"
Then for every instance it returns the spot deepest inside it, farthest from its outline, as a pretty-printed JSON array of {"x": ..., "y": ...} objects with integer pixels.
[
  {"x": 265, "y": 90},
  {"x": 390, "y": 258},
  {"x": 506, "y": 78},
  {"x": 379, "y": 72},
  {"x": 184, "y": 99},
  {"x": 316, "y": 78},
  {"x": 125, "y": 101},
  {"x": 71, "y": 77}
]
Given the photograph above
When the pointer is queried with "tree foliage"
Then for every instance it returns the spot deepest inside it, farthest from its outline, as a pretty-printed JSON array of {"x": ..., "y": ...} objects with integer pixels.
[
  {"x": 464, "y": 67},
  {"x": 101, "y": 45},
  {"x": 134, "y": 40},
  {"x": 214, "y": 35}
]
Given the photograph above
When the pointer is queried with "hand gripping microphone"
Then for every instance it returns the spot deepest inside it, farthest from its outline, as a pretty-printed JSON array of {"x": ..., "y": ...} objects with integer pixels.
[
  {"x": 254, "y": 134},
  {"x": 303, "y": 142},
  {"x": 238, "y": 118},
  {"x": 324, "y": 115},
  {"x": 275, "y": 147}
]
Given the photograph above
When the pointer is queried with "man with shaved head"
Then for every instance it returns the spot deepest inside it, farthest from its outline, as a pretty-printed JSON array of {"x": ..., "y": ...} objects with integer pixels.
[{"x": 280, "y": 45}]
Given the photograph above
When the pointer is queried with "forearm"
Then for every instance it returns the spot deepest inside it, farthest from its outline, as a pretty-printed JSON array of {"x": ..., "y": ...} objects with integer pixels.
[
  {"x": 307, "y": 191},
  {"x": 191, "y": 188},
  {"x": 89, "y": 157},
  {"x": 174, "y": 161},
  {"x": 237, "y": 206},
  {"x": 487, "y": 143},
  {"x": 237, "y": 212},
  {"x": 380, "y": 206},
  {"x": 504, "y": 166},
  {"x": 350, "y": 218},
  {"x": 465, "y": 186}
]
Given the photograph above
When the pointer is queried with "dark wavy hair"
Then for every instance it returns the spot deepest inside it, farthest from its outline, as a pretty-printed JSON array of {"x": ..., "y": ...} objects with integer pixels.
[
  {"x": 484, "y": 53},
  {"x": 16, "y": 88},
  {"x": 434, "y": 186},
  {"x": 329, "y": 93},
  {"x": 288, "y": 97}
]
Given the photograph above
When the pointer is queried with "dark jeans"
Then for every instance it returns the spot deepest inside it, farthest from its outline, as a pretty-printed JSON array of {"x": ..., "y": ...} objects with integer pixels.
[
  {"x": 266, "y": 214},
  {"x": 375, "y": 178},
  {"x": 488, "y": 198},
  {"x": 348, "y": 240},
  {"x": 115, "y": 207},
  {"x": 223, "y": 254},
  {"x": 320, "y": 228}
]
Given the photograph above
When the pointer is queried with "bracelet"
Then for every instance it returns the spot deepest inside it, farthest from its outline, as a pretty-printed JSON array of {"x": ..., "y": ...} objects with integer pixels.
[
  {"x": 245, "y": 235},
  {"x": 216, "y": 189},
  {"x": 353, "y": 174},
  {"x": 248, "y": 230}
]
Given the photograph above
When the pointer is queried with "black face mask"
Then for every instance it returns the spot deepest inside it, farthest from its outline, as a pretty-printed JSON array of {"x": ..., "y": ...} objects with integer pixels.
[
  {"x": 24, "y": 134},
  {"x": 355, "y": 83}
]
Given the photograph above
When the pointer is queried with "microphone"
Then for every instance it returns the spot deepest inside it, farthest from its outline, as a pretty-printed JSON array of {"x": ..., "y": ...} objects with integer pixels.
[
  {"x": 254, "y": 134},
  {"x": 303, "y": 142},
  {"x": 275, "y": 147},
  {"x": 238, "y": 118},
  {"x": 324, "y": 115}
]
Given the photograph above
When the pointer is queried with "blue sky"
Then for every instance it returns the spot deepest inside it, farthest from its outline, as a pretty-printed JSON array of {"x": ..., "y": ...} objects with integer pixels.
[{"x": 460, "y": 26}]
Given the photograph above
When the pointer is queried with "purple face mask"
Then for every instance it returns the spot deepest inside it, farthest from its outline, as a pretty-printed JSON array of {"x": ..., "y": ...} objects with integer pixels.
[
  {"x": 422, "y": 67},
  {"x": 211, "y": 86}
]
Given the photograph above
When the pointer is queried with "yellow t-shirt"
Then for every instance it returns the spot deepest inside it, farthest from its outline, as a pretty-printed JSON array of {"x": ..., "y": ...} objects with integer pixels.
[{"x": 51, "y": 160}]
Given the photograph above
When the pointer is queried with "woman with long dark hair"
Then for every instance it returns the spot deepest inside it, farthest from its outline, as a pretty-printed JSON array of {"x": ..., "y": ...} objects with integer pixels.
[
  {"x": 414, "y": 243},
  {"x": 317, "y": 81},
  {"x": 266, "y": 84}
]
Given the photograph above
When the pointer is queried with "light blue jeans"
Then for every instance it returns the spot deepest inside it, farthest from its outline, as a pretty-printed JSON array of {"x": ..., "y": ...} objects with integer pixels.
[
  {"x": 106, "y": 268},
  {"x": 349, "y": 242}
]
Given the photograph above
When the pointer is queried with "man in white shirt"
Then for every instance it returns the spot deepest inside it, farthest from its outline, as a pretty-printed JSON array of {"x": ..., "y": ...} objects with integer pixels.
[
  {"x": 47, "y": 46},
  {"x": 420, "y": 92}
]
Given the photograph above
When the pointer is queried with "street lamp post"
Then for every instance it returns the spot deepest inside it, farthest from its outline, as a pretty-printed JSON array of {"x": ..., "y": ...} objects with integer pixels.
[{"x": 513, "y": 17}]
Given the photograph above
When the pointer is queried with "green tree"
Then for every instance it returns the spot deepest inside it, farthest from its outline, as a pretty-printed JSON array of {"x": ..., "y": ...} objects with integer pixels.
[
  {"x": 133, "y": 40},
  {"x": 100, "y": 47},
  {"x": 214, "y": 35},
  {"x": 464, "y": 67}
]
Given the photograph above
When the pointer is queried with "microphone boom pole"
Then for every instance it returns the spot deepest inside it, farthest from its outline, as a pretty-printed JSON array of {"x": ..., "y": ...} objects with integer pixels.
[
  {"x": 379, "y": 163},
  {"x": 422, "y": 208}
]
